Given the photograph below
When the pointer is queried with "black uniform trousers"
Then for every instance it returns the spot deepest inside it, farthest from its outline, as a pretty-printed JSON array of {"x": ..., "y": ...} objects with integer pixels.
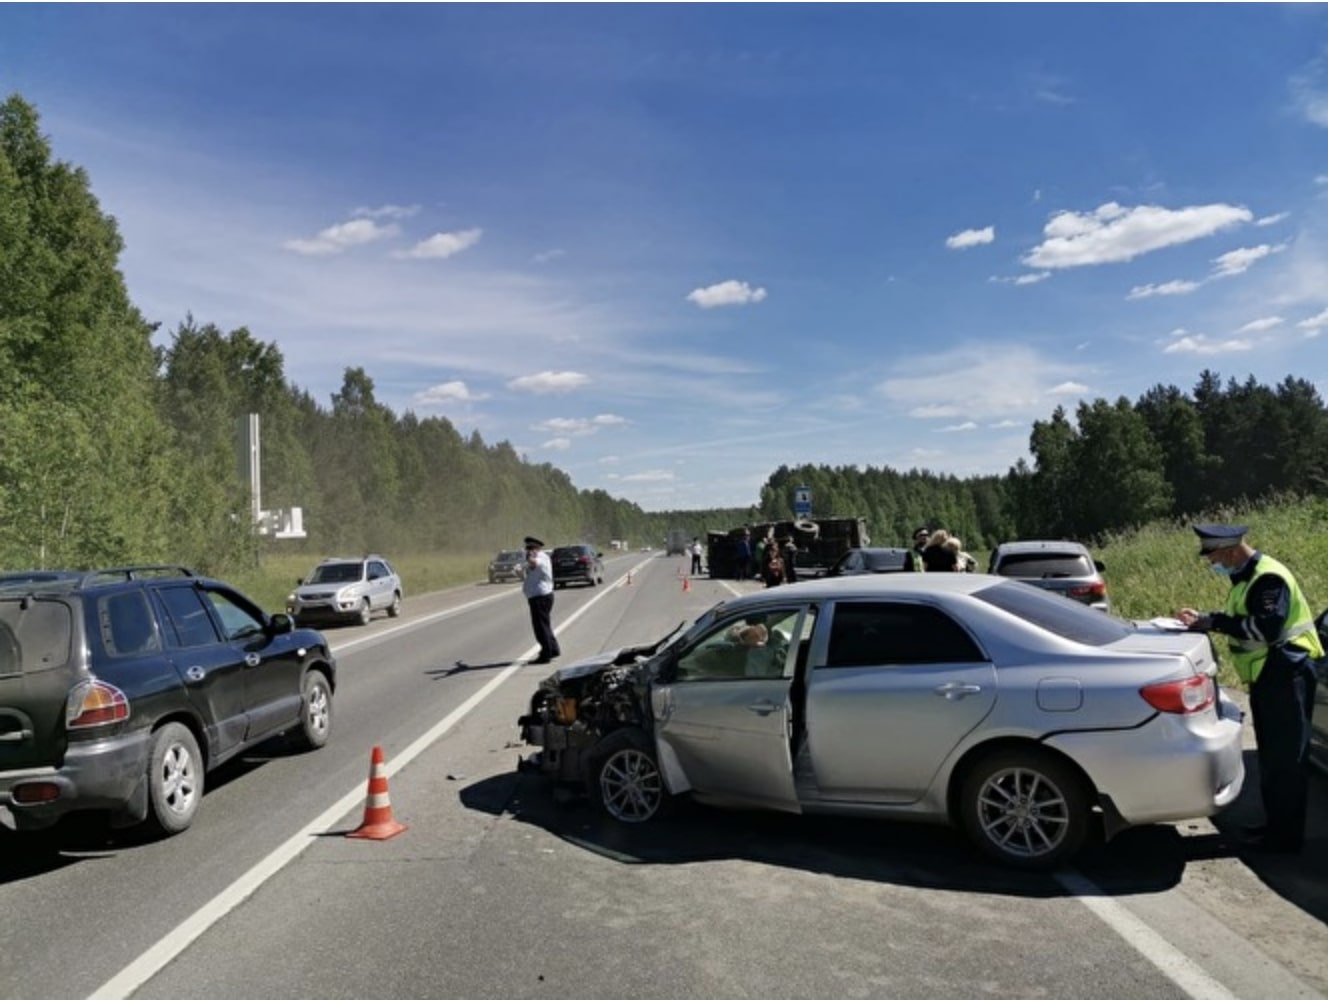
[
  {"x": 541, "y": 608},
  {"x": 1282, "y": 703}
]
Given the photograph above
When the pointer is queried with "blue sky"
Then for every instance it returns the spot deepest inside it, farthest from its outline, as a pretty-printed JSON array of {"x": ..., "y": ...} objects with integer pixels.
[{"x": 669, "y": 248}]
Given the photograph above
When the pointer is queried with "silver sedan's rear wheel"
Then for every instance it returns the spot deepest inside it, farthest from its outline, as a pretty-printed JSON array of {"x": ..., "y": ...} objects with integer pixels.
[
  {"x": 626, "y": 782},
  {"x": 1025, "y": 808}
]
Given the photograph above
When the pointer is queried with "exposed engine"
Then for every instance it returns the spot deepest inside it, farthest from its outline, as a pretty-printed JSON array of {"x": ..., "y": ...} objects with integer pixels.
[{"x": 569, "y": 715}]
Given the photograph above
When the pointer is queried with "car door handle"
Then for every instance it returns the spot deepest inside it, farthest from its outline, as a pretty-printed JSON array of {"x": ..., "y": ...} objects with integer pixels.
[
  {"x": 957, "y": 690},
  {"x": 764, "y": 707},
  {"x": 195, "y": 673},
  {"x": 252, "y": 660},
  {"x": 16, "y": 737}
]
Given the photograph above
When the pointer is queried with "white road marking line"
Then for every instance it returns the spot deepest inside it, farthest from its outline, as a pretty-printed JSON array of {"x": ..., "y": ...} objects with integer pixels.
[
  {"x": 1186, "y": 974},
  {"x": 170, "y": 946}
]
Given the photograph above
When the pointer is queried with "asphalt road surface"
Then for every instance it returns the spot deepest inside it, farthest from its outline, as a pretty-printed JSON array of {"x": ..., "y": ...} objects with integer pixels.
[{"x": 499, "y": 889}]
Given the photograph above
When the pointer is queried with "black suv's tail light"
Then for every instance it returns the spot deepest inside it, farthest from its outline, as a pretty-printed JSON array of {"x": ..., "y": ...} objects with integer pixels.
[{"x": 94, "y": 703}]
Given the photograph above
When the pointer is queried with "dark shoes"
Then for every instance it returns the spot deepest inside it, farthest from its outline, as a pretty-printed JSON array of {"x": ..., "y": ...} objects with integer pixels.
[{"x": 545, "y": 659}]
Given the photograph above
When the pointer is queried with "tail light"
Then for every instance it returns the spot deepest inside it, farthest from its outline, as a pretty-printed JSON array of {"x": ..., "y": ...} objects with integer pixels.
[
  {"x": 1096, "y": 590},
  {"x": 583, "y": 559},
  {"x": 1191, "y": 695},
  {"x": 94, "y": 703}
]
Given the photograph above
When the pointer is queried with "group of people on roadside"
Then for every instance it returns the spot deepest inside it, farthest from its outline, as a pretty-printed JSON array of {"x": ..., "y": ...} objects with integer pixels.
[
  {"x": 937, "y": 550},
  {"x": 770, "y": 560}
]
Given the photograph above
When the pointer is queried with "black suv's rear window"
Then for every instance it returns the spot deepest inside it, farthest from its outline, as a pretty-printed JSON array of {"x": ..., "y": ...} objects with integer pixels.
[
  {"x": 1045, "y": 565},
  {"x": 35, "y": 637}
]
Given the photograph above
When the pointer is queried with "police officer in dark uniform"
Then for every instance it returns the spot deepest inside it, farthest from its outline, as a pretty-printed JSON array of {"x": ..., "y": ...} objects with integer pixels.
[{"x": 1274, "y": 645}]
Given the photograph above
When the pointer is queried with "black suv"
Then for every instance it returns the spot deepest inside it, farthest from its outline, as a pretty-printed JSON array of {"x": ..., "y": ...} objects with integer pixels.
[
  {"x": 577, "y": 563},
  {"x": 120, "y": 689}
]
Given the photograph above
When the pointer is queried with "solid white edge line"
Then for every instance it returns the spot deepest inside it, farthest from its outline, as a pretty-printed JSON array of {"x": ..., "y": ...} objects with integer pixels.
[
  {"x": 1183, "y": 972},
  {"x": 170, "y": 946}
]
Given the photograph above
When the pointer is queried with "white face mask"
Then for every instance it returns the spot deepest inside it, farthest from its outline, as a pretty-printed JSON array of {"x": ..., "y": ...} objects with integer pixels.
[{"x": 1222, "y": 570}]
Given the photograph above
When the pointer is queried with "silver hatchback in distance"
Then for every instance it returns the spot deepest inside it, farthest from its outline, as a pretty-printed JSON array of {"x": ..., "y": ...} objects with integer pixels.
[
  {"x": 1026, "y": 719},
  {"x": 346, "y": 590}
]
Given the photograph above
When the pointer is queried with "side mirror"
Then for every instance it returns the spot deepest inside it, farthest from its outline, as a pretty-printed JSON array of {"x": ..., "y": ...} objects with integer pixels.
[
  {"x": 280, "y": 623},
  {"x": 1101, "y": 567},
  {"x": 298, "y": 582}
]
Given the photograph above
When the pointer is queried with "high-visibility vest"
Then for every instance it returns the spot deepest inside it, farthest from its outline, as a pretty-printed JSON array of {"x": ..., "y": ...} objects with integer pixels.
[{"x": 1298, "y": 630}]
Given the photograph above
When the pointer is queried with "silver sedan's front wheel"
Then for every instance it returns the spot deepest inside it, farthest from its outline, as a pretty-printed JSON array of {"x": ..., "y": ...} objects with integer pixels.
[
  {"x": 627, "y": 783},
  {"x": 1025, "y": 808}
]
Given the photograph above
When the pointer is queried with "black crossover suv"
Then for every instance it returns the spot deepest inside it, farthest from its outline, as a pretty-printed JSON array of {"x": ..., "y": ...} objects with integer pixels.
[{"x": 120, "y": 689}]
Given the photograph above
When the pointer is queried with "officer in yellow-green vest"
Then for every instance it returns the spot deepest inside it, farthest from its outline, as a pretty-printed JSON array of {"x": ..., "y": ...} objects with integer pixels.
[{"x": 1274, "y": 645}]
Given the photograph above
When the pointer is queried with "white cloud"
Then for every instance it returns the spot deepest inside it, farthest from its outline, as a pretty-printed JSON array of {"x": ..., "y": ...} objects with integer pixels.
[
  {"x": 387, "y": 212},
  {"x": 1069, "y": 388},
  {"x": 580, "y": 426},
  {"x": 549, "y": 382},
  {"x": 1031, "y": 278},
  {"x": 648, "y": 477},
  {"x": 455, "y": 391},
  {"x": 971, "y": 238},
  {"x": 609, "y": 460},
  {"x": 1315, "y": 322},
  {"x": 730, "y": 293},
  {"x": 1262, "y": 324},
  {"x": 336, "y": 239},
  {"x": 544, "y": 257},
  {"x": 1007, "y": 423},
  {"x": 979, "y": 381},
  {"x": 442, "y": 245},
  {"x": 1198, "y": 344},
  {"x": 1270, "y": 220},
  {"x": 1238, "y": 261},
  {"x": 1177, "y": 287},
  {"x": 1113, "y": 233},
  {"x": 966, "y": 426},
  {"x": 1321, "y": 179},
  {"x": 1309, "y": 95},
  {"x": 557, "y": 444}
]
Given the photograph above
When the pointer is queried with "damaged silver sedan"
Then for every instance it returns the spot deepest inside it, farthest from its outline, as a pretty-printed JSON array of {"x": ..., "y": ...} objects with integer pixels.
[{"x": 1028, "y": 720}]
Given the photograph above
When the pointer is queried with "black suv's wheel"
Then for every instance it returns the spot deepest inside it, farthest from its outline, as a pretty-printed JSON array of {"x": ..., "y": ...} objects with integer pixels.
[
  {"x": 175, "y": 779},
  {"x": 315, "y": 711},
  {"x": 394, "y": 610},
  {"x": 366, "y": 613},
  {"x": 1025, "y": 808},
  {"x": 625, "y": 781}
]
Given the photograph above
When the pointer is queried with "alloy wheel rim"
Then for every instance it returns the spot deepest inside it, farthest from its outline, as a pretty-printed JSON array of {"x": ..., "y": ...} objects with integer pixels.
[
  {"x": 318, "y": 709},
  {"x": 631, "y": 785},
  {"x": 178, "y": 785},
  {"x": 1023, "y": 813}
]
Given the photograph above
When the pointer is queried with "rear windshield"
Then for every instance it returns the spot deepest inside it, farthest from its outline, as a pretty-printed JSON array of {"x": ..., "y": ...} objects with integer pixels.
[
  {"x": 34, "y": 638},
  {"x": 1046, "y": 565},
  {"x": 1056, "y": 614}
]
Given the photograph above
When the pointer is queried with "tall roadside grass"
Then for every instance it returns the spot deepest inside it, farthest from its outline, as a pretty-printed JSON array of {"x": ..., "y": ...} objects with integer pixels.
[{"x": 1156, "y": 570}]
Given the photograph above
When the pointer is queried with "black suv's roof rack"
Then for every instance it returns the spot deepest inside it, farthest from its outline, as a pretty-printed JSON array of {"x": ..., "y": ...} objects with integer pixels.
[{"x": 111, "y": 574}]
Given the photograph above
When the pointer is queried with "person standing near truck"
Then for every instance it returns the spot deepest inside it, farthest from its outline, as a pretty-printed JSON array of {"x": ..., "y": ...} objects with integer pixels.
[{"x": 696, "y": 554}]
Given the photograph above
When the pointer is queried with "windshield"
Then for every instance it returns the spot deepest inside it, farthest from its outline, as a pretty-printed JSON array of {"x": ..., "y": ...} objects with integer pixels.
[
  {"x": 335, "y": 573},
  {"x": 509, "y": 555},
  {"x": 1056, "y": 614}
]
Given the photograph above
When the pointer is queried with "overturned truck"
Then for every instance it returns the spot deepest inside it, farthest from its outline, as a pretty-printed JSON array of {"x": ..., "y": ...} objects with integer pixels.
[{"x": 820, "y": 542}]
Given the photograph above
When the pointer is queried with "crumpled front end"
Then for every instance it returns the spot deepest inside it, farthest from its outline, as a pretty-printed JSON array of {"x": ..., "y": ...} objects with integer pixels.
[{"x": 573, "y": 709}]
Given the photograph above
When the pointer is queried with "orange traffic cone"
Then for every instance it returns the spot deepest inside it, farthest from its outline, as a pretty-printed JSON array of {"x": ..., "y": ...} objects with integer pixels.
[
  {"x": 686, "y": 584},
  {"x": 378, "y": 821}
]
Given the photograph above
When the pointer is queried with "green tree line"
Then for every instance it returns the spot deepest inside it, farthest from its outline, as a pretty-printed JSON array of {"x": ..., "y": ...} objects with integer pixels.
[{"x": 113, "y": 450}]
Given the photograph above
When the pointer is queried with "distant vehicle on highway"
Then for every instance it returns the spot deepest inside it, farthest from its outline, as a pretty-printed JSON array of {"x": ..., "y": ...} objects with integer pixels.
[
  {"x": 347, "y": 590},
  {"x": 508, "y": 565},
  {"x": 1058, "y": 565},
  {"x": 579, "y": 563},
  {"x": 874, "y": 560}
]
